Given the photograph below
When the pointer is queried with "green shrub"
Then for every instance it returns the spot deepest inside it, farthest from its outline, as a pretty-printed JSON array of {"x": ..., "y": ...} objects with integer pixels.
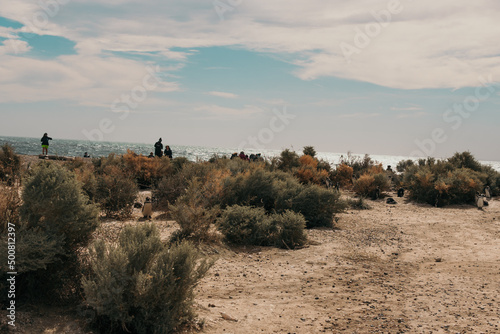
[
  {"x": 290, "y": 229},
  {"x": 444, "y": 182},
  {"x": 140, "y": 286},
  {"x": 309, "y": 150},
  {"x": 252, "y": 188},
  {"x": 56, "y": 221},
  {"x": 240, "y": 224},
  {"x": 171, "y": 187},
  {"x": 278, "y": 191},
  {"x": 116, "y": 193},
  {"x": 245, "y": 225},
  {"x": 458, "y": 187},
  {"x": 288, "y": 160},
  {"x": 54, "y": 202},
  {"x": 317, "y": 205},
  {"x": 404, "y": 164},
  {"x": 465, "y": 160},
  {"x": 195, "y": 215},
  {"x": 10, "y": 165}
]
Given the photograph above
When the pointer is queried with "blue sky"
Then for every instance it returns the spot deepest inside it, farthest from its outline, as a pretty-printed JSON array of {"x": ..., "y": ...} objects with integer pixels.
[{"x": 379, "y": 77}]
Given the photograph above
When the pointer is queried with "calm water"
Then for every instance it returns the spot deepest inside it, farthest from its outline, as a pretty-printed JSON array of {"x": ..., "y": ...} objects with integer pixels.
[{"x": 76, "y": 148}]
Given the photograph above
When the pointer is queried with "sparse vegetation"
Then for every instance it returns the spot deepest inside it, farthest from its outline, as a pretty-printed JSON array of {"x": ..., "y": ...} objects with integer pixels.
[
  {"x": 140, "y": 285},
  {"x": 452, "y": 181}
]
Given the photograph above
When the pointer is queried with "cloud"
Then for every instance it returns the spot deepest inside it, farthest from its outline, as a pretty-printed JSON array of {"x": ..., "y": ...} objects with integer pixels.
[
  {"x": 14, "y": 46},
  {"x": 359, "y": 115},
  {"x": 223, "y": 95},
  {"x": 405, "y": 108},
  {"x": 426, "y": 44},
  {"x": 85, "y": 80},
  {"x": 413, "y": 115},
  {"x": 217, "y": 110}
]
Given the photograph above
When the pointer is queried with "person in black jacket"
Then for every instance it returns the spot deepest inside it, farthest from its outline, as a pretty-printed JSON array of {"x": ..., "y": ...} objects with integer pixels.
[
  {"x": 45, "y": 144},
  {"x": 158, "y": 148},
  {"x": 168, "y": 152}
]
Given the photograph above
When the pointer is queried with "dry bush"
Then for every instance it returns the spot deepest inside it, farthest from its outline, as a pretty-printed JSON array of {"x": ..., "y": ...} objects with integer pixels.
[
  {"x": 10, "y": 165},
  {"x": 116, "y": 193},
  {"x": 343, "y": 175},
  {"x": 308, "y": 171},
  {"x": 147, "y": 172},
  {"x": 9, "y": 206}
]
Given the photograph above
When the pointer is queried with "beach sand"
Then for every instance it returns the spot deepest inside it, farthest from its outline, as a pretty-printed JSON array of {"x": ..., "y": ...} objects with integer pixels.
[{"x": 404, "y": 268}]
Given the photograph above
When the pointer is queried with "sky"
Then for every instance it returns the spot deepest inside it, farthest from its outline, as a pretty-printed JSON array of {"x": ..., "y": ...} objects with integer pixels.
[{"x": 398, "y": 77}]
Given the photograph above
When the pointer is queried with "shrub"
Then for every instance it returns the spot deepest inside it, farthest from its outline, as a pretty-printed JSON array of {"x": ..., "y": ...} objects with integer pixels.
[
  {"x": 318, "y": 205},
  {"x": 309, "y": 150},
  {"x": 116, "y": 193},
  {"x": 278, "y": 191},
  {"x": 374, "y": 179},
  {"x": 240, "y": 224},
  {"x": 171, "y": 187},
  {"x": 288, "y": 160},
  {"x": 56, "y": 222},
  {"x": 195, "y": 214},
  {"x": 145, "y": 171},
  {"x": 491, "y": 178},
  {"x": 9, "y": 207},
  {"x": 420, "y": 183},
  {"x": 252, "y": 188},
  {"x": 404, "y": 164},
  {"x": 245, "y": 225},
  {"x": 54, "y": 202},
  {"x": 343, "y": 175},
  {"x": 140, "y": 286},
  {"x": 457, "y": 187},
  {"x": 290, "y": 229},
  {"x": 465, "y": 160},
  {"x": 358, "y": 164},
  {"x": 86, "y": 174},
  {"x": 358, "y": 204},
  {"x": 308, "y": 171},
  {"x": 10, "y": 165}
]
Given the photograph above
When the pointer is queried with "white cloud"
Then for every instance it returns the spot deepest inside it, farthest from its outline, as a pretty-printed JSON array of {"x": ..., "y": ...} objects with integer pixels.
[
  {"x": 428, "y": 44},
  {"x": 217, "y": 110},
  {"x": 405, "y": 108},
  {"x": 14, "y": 46},
  {"x": 87, "y": 80},
  {"x": 223, "y": 94},
  {"x": 359, "y": 115}
]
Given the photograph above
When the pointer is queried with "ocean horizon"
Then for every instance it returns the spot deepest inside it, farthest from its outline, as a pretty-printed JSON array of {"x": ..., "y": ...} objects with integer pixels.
[{"x": 77, "y": 148}]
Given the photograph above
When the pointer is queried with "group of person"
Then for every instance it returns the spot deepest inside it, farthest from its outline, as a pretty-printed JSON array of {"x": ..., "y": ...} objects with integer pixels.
[
  {"x": 159, "y": 150},
  {"x": 243, "y": 156}
]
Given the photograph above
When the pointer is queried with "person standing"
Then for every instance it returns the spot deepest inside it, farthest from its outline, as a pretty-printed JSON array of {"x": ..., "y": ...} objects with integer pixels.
[
  {"x": 158, "y": 148},
  {"x": 45, "y": 144},
  {"x": 168, "y": 152}
]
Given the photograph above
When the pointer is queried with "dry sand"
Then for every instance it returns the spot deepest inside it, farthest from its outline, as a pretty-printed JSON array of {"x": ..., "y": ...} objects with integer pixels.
[{"x": 404, "y": 268}]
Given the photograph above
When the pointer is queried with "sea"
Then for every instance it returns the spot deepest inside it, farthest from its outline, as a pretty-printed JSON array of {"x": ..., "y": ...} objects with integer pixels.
[{"x": 77, "y": 148}]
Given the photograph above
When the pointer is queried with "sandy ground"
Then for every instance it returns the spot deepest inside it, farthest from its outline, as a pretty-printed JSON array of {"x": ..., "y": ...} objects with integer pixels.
[{"x": 404, "y": 268}]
